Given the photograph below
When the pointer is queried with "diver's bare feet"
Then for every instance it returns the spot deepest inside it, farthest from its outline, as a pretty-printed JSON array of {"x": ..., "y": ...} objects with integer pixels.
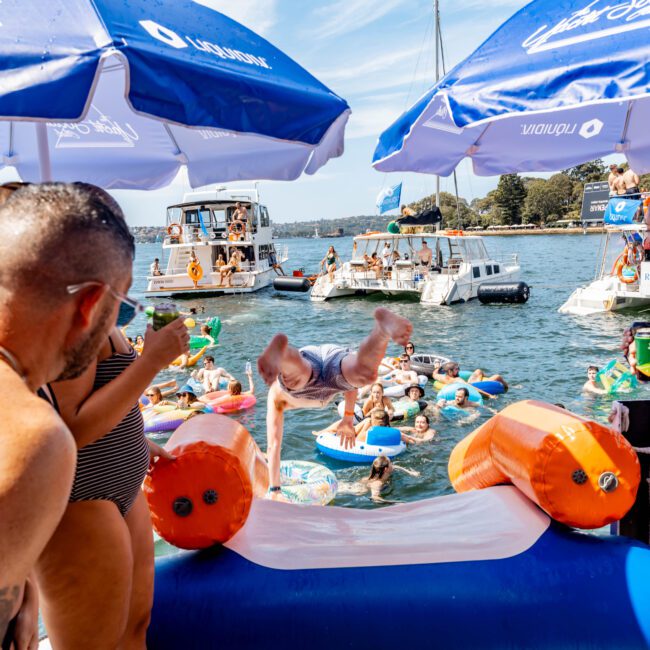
[
  {"x": 398, "y": 329},
  {"x": 270, "y": 361}
]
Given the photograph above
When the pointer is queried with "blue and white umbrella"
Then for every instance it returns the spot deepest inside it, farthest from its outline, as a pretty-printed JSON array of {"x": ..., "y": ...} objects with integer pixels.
[
  {"x": 123, "y": 93},
  {"x": 561, "y": 82}
]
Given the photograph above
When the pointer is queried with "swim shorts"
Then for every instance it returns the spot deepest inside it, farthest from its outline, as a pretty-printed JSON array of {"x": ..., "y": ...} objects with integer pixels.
[{"x": 327, "y": 378}]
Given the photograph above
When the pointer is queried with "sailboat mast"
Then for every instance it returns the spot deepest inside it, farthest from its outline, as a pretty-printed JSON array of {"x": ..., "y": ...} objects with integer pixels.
[{"x": 436, "y": 14}]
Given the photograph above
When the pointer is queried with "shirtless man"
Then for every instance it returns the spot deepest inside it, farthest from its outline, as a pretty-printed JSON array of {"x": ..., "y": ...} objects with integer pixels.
[
  {"x": 425, "y": 254},
  {"x": 313, "y": 376},
  {"x": 451, "y": 375},
  {"x": 210, "y": 375},
  {"x": 240, "y": 213},
  {"x": 619, "y": 183},
  {"x": 611, "y": 180},
  {"x": 631, "y": 182},
  {"x": 404, "y": 374},
  {"x": 59, "y": 299},
  {"x": 461, "y": 400}
]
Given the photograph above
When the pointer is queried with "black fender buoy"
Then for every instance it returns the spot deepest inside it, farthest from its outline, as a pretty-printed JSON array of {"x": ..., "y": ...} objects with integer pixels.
[
  {"x": 291, "y": 284},
  {"x": 503, "y": 292}
]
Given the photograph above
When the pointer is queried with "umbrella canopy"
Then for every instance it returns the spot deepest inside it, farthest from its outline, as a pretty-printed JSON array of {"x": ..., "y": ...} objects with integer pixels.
[
  {"x": 561, "y": 82},
  {"x": 122, "y": 94}
]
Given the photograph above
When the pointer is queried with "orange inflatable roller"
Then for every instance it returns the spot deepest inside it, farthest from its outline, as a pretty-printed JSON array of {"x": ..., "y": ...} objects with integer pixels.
[
  {"x": 581, "y": 473},
  {"x": 204, "y": 496}
]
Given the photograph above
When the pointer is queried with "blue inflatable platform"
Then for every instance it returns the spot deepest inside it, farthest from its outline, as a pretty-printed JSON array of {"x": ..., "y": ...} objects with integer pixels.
[{"x": 484, "y": 569}]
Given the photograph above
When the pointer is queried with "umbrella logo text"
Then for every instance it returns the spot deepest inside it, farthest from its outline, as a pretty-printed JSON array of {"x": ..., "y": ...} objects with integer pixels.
[
  {"x": 603, "y": 22},
  {"x": 101, "y": 132},
  {"x": 171, "y": 38}
]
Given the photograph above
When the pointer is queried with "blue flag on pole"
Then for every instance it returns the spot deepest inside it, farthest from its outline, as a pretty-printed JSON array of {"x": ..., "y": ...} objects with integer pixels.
[
  {"x": 389, "y": 198},
  {"x": 620, "y": 211}
]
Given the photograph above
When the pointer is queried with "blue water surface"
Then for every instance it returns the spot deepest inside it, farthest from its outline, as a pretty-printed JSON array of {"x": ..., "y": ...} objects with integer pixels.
[{"x": 543, "y": 354}]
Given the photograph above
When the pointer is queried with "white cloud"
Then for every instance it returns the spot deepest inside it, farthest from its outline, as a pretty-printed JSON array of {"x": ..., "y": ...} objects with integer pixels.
[
  {"x": 382, "y": 63},
  {"x": 370, "y": 121},
  {"x": 258, "y": 16},
  {"x": 344, "y": 16}
]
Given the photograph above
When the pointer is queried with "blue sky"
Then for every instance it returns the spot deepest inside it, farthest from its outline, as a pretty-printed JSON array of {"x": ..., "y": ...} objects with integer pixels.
[{"x": 378, "y": 55}]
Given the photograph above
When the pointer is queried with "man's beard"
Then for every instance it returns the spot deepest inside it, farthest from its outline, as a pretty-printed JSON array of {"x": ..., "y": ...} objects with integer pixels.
[{"x": 78, "y": 358}]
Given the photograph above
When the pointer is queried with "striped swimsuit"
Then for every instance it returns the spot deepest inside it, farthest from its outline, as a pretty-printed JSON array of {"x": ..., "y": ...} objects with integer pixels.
[{"x": 113, "y": 467}]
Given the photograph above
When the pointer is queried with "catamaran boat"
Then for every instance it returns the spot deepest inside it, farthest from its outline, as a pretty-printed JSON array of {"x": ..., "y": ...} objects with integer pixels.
[
  {"x": 623, "y": 284},
  {"x": 460, "y": 264},
  {"x": 203, "y": 228}
]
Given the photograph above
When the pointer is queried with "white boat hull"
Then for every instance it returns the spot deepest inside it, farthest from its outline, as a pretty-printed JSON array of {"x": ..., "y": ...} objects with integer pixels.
[{"x": 179, "y": 284}]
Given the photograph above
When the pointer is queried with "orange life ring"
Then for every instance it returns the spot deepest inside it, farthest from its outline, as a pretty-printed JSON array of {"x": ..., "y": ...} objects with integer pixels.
[
  {"x": 194, "y": 271},
  {"x": 628, "y": 279},
  {"x": 237, "y": 231},
  {"x": 172, "y": 227},
  {"x": 458, "y": 233}
]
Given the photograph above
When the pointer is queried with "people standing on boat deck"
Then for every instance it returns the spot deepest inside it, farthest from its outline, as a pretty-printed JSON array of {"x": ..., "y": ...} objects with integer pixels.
[
  {"x": 312, "y": 376},
  {"x": 227, "y": 271},
  {"x": 386, "y": 256},
  {"x": 240, "y": 213},
  {"x": 58, "y": 303},
  {"x": 330, "y": 260},
  {"x": 461, "y": 400},
  {"x": 590, "y": 386},
  {"x": 619, "y": 183},
  {"x": 631, "y": 181},
  {"x": 612, "y": 179},
  {"x": 420, "y": 432},
  {"x": 154, "y": 269},
  {"x": 425, "y": 255},
  {"x": 96, "y": 573}
]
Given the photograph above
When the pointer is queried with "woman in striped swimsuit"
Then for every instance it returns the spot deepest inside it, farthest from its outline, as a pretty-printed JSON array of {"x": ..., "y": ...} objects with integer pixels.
[{"x": 96, "y": 574}]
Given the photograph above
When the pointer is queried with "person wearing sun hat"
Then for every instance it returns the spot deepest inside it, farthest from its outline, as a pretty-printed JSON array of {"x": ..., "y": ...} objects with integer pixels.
[
  {"x": 187, "y": 398},
  {"x": 414, "y": 392}
]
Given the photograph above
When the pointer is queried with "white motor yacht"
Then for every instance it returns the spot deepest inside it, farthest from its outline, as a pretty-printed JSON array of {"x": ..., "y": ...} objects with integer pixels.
[
  {"x": 204, "y": 225},
  {"x": 621, "y": 282},
  {"x": 459, "y": 265}
]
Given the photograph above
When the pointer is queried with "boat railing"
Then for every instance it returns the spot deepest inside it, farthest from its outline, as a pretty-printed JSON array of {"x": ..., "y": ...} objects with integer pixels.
[
  {"x": 507, "y": 259},
  {"x": 188, "y": 238},
  {"x": 281, "y": 253}
]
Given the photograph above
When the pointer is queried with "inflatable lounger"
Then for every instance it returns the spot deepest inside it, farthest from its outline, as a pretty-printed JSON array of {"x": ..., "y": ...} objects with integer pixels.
[
  {"x": 483, "y": 569},
  {"x": 486, "y": 568}
]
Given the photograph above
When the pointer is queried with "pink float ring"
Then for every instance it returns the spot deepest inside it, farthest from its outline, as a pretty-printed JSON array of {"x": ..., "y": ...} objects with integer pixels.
[{"x": 233, "y": 403}]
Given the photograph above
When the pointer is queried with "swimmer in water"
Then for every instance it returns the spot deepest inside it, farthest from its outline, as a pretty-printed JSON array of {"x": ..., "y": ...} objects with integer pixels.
[
  {"x": 590, "y": 386},
  {"x": 421, "y": 432},
  {"x": 378, "y": 481},
  {"x": 377, "y": 399},
  {"x": 461, "y": 400}
]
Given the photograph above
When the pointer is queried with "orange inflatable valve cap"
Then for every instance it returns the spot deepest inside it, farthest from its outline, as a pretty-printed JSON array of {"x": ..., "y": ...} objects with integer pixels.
[
  {"x": 204, "y": 496},
  {"x": 580, "y": 472}
]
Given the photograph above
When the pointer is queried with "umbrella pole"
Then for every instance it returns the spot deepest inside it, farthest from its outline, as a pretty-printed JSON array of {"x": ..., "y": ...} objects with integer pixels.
[
  {"x": 436, "y": 10},
  {"x": 43, "y": 152}
]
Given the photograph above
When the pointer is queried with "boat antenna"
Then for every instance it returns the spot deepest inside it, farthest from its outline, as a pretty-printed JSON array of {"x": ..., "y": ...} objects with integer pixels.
[
  {"x": 436, "y": 13},
  {"x": 444, "y": 72}
]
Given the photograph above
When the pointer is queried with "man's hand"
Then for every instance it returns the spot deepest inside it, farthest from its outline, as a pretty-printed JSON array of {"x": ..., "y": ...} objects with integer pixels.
[
  {"x": 161, "y": 347},
  {"x": 346, "y": 433}
]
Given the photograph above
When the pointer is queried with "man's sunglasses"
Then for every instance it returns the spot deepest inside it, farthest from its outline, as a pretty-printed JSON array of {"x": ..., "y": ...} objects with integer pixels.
[{"x": 129, "y": 307}]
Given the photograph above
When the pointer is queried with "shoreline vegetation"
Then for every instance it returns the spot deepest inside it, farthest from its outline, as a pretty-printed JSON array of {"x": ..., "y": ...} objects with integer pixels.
[{"x": 550, "y": 205}]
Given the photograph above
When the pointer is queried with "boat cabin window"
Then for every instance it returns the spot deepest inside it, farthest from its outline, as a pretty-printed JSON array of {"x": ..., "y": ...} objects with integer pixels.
[
  {"x": 497, "y": 269},
  {"x": 476, "y": 271},
  {"x": 174, "y": 215},
  {"x": 488, "y": 269},
  {"x": 265, "y": 222}
]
